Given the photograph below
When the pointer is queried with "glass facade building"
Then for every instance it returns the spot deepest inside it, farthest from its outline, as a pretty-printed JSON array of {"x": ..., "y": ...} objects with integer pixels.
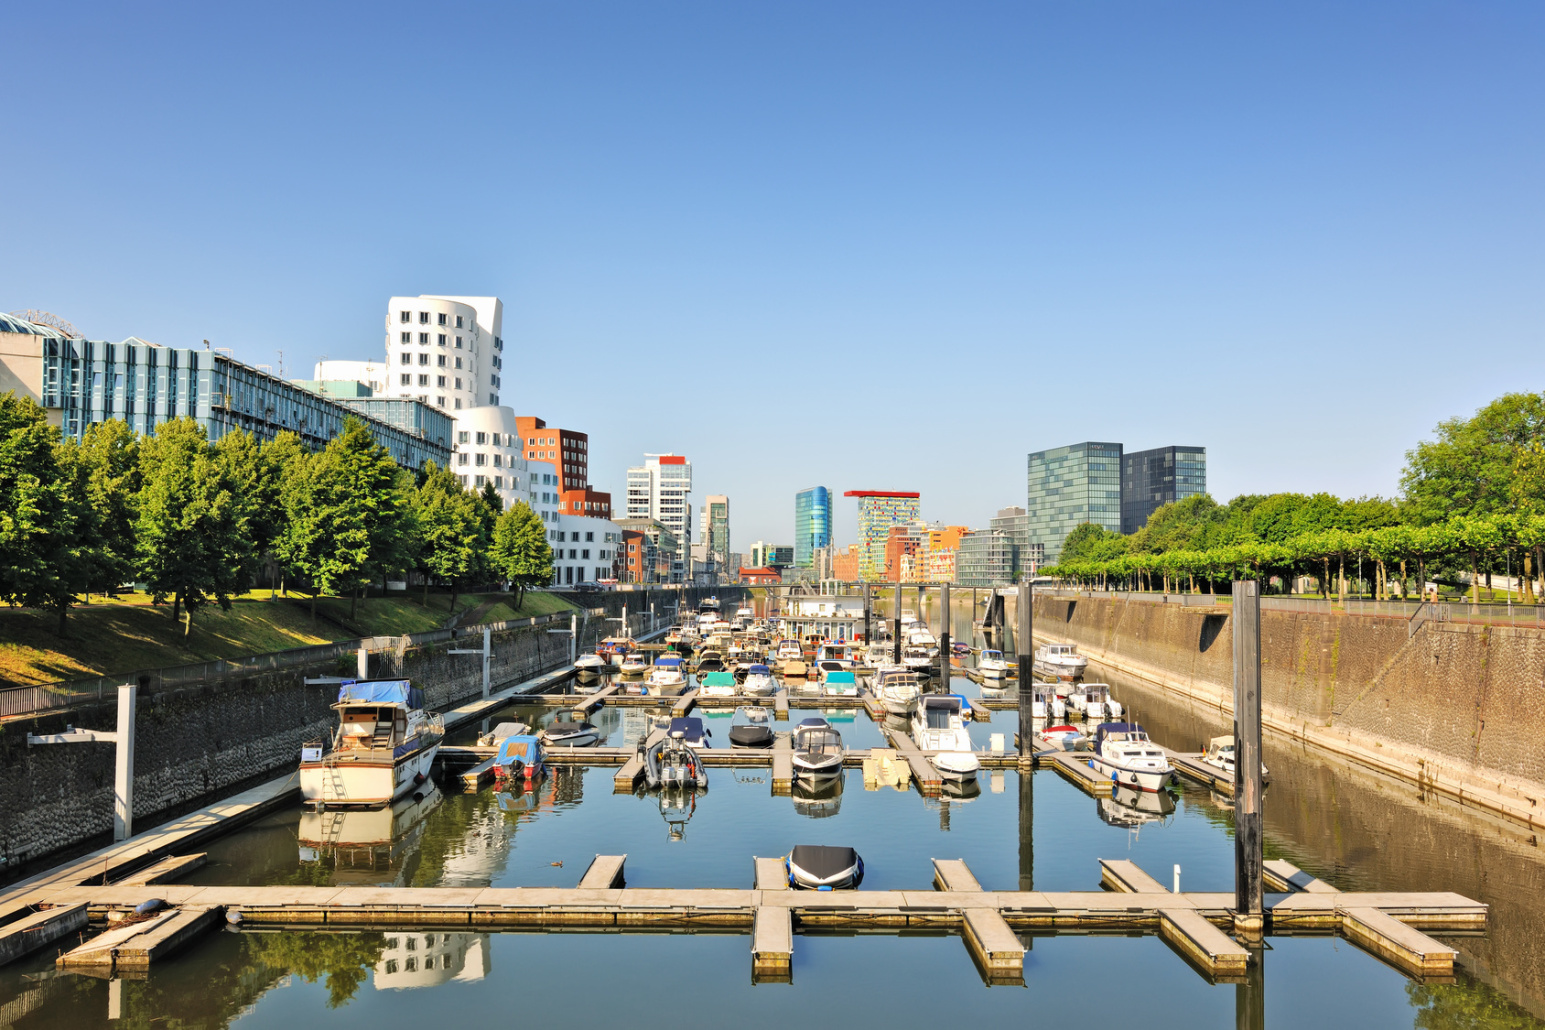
[
  {"x": 878, "y": 511},
  {"x": 1068, "y": 486},
  {"x": 812, "y": 524},
  {"x": 1151, "y": 479},
  {"x": 985, "y": 558}
]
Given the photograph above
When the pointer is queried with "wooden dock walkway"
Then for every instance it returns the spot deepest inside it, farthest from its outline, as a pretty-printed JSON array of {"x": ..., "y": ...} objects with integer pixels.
[
  {"x": 1074, "y": 766},
  {"x": 589, "y": 704},
  {"x": 685, "y": 702},
  {"x": 928, "y": 779}
]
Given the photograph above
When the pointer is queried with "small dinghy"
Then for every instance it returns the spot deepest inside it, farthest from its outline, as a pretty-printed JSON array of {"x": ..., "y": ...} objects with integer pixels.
[
  {"x": 754, "y": 731},
  {"x": 817, "y": 750},
  {"x": 1059, "y": 738},
  {"x": 519, "y": 757},
  {"x": 672, "y": 763},
  {"x": 819, "y": 867},
  {"x": 570, "y": 734}
]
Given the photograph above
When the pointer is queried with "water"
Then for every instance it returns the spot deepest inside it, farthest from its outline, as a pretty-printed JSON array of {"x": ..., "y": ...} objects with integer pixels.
[{"x": 1020, "y": 831}]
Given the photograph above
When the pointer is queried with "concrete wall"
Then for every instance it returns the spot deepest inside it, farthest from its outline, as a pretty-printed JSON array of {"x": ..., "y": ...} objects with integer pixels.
[
  {"x": 196, "y": 744},
  {"x": 1456, "y": 708}
]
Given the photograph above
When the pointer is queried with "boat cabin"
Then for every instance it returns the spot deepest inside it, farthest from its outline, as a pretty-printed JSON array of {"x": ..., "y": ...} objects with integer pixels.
[
  {"x": 375, "y": 713},
  {"x": 817, "y": 737},
  {"x": 940, "y": 711}
]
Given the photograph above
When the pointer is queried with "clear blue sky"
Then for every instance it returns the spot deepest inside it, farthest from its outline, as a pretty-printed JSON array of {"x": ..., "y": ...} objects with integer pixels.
[{"x": 888, "y": 245}]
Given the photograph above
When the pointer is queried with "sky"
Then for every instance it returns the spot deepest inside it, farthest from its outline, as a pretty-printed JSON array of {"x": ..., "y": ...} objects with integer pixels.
[{"x": 888, "y": 246}]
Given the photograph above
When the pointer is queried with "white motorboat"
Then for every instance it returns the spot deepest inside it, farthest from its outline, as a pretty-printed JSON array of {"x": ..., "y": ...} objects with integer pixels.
[
  {"x": 1059, "y": 738},
  {"x": 836, "y": 651},
  {"x": 992, "y": 665},
  {"x": 919, "y": 636},
  {"x": 1123, "y": 752},
  {"x": 817, "y": 750},
  {"x": 897, "y": 688},
  {"x": 917, "y": 659},
  {"x": 591, "y": 663},
  {"x": 716, "y": 684},
  {"x": 634, "y": 664},
  {"x": 1046, "y": 703},
  {"x": 666, "y": 677},
  {"x": 789, "y": 651},
  {"x": 383, "y": 747},
  {"x": 1060, "y": 662},
  {"x": 502, "y": 730},
  {"x": 939, "y": 725},
  {"x": 569, "y": 734},
  {"x": 758, "y": 682},
  {"x": 908, "y": 619},
  {"x": 839, "y": 683},
  {"x": 877, "y": 655},
  {"x": 1220, "y": 755},
  {"x": 818, "y": 867},
  {"x": 1093, "y": 702}
]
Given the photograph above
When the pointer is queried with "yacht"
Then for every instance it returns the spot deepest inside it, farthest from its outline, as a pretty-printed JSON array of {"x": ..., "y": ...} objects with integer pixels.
[
  {"x": 908, "y": 619},
  {"x": 817, "y": 750},
  {"x": 839, "y": 683},
  {"x": 758, "y": 681},
  {"x": 939, "y": 725},
  {"x": 1220, "y": 755},
  {"x": 877, "y": 655},
  {"x": 788, "y": 651},
  {"x": 634, "y": 664},
  {"x": 917, "y": 659},
  {"x": 590, "y": 663},
  {"x": 666, "y": 676},
  {"x": 897, "y": 688},
  {"x": 818, "y": 867},
  {"x": 992, "y": 665},
  {"x": 1060, "y": 662},
  {"x": 716, "y": 684},
  {"x": 383, "y": 747},
  {"x": 614, "y": 649},
  {"x": 919, "y": 636},
  {"x": 1093, "y": 702},
  {"x": 836, "y": 651},
  {"x": 1123, "y": 752},
  {"x": 1046, "y": 703}
]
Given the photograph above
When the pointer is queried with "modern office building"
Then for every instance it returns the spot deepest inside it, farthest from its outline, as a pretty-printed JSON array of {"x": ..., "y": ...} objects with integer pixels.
[
  {"x": 714, "y": 534},
  {"x": 446, "y": 351},
  {"x": 1153, "y": 478},
  {"x": 80, "y": 382},
  {"x": 1068, "y": 486},
  {"x": 1027, "y": 555},
  {"x": 585, "y": 550},
  {"x": 985, "y": 558},
  {"x": 661, "y": 546},
  {"x": 775, "y": 556},
  {"x": 878, "y": 511},
  {"x": 659, "y": 489},
  {"x": 569, "y": 449},
  {"x": 489, "y": 449},
  {"x": 812, "y": 524}
]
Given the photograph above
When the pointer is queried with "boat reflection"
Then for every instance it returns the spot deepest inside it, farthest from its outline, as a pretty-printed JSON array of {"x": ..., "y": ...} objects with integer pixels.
[
  {"x": 819, "y": 800},
  {"x": 1130, "y": 808},
  {"x": 430, "y": 959},
  {"x": 363, "y": 844},
  {"x": 677, "y": 806}
]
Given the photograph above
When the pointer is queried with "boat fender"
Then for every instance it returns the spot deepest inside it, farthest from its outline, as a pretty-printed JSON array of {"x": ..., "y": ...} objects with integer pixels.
[
  {"x": 418, "y": 779},
  {"x": 824, "y": 887},
  {"x": 233, "y": 916},
  {"x": 144, "y": 908}
]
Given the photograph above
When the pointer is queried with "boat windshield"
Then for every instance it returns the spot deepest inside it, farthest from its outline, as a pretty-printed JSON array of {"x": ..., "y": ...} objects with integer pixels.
[
  {"x": 938, "y": 718},
  {"x": 820, "y": 742}
]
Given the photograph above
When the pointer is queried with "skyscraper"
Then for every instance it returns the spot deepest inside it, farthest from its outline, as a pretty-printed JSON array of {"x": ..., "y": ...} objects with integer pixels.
[
  {"x": 715, "y": 529},
  {"x": 878, "y": 511},
  {"x": 812, "y": 524},
  {"x": 1068, "y": 486},
  {"x": 658, "y": 489},
  {"x": 1150, "y": 479}
]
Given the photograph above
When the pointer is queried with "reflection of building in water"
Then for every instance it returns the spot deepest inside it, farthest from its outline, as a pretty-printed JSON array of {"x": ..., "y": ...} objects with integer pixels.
[
  {"x": 482, "y": 850},
  {"x": 428, "y": 959},
  {"x": 367, "y": 845}
]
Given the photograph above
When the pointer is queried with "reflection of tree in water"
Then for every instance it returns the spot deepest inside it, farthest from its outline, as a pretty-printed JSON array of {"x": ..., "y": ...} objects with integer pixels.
[
  {"x": 1466, "y": 1005},
  {"x": 345, "y": 959}
]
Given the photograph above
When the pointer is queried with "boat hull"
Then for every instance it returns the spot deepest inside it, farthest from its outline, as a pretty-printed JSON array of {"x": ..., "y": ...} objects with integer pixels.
[
  {"x": 332, "y": 780},
  {"x": 1150, "y": 780}
]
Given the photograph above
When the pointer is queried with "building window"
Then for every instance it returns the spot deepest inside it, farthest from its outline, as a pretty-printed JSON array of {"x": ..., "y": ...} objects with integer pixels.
[
  {"x": 442, "y": 339},
  {"x": 407, "y": 380},
  {"x": 498, "y": 461},
  {"x": 441, "y": 361},
  {"x": 423, "y": 318},
  {"x": 458, "y": 403},
  {"x": 407, "y": 337},
  {"x": 423, "y": 359},
  {"x": 458, "y": 382},
  {"x": 572, "y": 555},
  {"x": 458, "y": 361},
  {"x": 440, "y": 382},
  {"x": 585, "y": 554},
  {"x": 461, "y": 457},
  {"x": 442, "y": 318},
  {"x": 407, "y": 359},
  {"x": 461, "y": 437},
  {"x": 439, "y": 402},
  {"x": 407, "y": 316},
  {"x": 423, "y": 381},
  {"x": 482, "y": 438},
  {"x": 463, "y": 480},
  {"x": 498, "y": 482},
  {"x": 458, "y": 343},
  {"x": 423, "y": 338},
  {"x": 458, "y": 321},
  {"x": 589, "y": 538},
  {"x": 480, "y": 480}
]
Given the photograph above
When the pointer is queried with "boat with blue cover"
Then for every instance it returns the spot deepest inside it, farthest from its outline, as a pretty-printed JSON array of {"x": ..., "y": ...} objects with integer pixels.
[
  {"x": 383, "y": 747},
  {"x": 519, "y": 758}
]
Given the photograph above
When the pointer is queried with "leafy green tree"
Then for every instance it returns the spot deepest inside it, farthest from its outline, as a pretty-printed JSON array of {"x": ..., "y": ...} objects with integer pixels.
[
  {"x": 519, "y": 551},
  {"x": 1083, "y": 542},
  {"x": 109, "y": 459},
  {"x": 258, "y": 513},
  {"x": 450, "y": 522},
  {"x": 44, "y": 525},
  {"x": 191, "y": 542},
  {"x": 1468, "y": 469}
]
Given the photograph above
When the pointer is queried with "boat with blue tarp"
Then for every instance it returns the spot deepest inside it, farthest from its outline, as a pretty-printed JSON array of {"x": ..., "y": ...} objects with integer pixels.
[{"x": 383, "y": 747}]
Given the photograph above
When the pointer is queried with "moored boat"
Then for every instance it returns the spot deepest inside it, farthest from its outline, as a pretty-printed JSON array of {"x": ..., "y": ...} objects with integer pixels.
[
  {"x": 666, "y": 676},
  {"x": 897, "y": 689},
  {"x": 759, "y": 681},
  {"x": 821, "y": 867},
  {"x": 383, "y": 748},
  {"x": 992, "y": 665},
  {"x": 1123, "y": 752},
  {"x": 569, "y": 734},
  {"x": 634, "y": 664},
  {"x": 939, "y": 725},
  {"x": 817, "y": 750},
  {"x": 839, "y": 683},
  {"x": 1059, "y": 662},
  {"x": 753, "y": 728},
  {"x": 716, "y": 684}
]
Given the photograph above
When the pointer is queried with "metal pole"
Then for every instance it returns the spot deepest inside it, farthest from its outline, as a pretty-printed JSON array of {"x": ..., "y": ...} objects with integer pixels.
[
  {"x": 944, "y": 638},
  {"x": 867, "y": 640},
  {"x": 123, "y": 765},
  {"x": 362, "y": 663},
  {"x": 573, "y": 638},
  {"x": 488, "y": 653},
  {"x": 1027, "y": 830},
  {"x": 1022, "y": 605},
  {"x": 1248, "y": 857},
  {"x": 896, "y": 628}
]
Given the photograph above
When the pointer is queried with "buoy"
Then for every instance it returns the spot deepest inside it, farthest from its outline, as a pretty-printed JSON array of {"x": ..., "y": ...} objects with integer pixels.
[
  {"x": 144, "y": 908},
  {"x": 233, "y": 916}
]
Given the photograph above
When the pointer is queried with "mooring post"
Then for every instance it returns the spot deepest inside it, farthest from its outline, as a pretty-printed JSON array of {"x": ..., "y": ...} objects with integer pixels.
[
  {"x": 867, "y": 640},
  {"x": 1026, "y": 830},
  {"x": 123, "y": 764},
  {"x": 573, "y": 638},
  {"x": 1250, "y": 996},
  {"x": 488, "y": 654},
  {"x": 944, "y": 638},
  {"x": 896, "y": 628},
  {"x": 1022, "y": 605},
  {"x": 362, "y": 664},
  {"x": 1248, "y": 856}
]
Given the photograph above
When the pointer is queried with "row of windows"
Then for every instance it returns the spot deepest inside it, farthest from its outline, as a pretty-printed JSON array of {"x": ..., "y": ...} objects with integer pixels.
[
  {"x": 423, "y": 318},
  {"x": 423, "y": 359},
  {"x": 407, "y": 380},
  {"x": 482, "y": 459}
]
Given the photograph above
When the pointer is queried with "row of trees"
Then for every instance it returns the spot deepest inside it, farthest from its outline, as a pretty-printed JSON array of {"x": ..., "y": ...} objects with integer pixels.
[
  {"x": 1472, "y": 502},
  {"x": 197, "y": 522}
]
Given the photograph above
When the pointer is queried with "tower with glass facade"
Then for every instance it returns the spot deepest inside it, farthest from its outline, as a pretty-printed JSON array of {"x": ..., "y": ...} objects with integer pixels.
[
  {"x": 812, "y": 524},
  {"x": 1151, "y": 479},
  {"x": 1068, "y": 486}
]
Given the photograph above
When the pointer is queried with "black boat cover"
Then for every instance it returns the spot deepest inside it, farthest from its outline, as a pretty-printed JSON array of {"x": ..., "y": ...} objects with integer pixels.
[
  {"x": 823, "y": 861},
  {"x": 558, "y": 729},
  {"x": 751, "y": 736}
]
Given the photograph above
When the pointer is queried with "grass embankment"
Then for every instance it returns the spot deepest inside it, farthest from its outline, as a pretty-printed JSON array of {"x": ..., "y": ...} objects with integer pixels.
[{"x": 128, "y": 633}]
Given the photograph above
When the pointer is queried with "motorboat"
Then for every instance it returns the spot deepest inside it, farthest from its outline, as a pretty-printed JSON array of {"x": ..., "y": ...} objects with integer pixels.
[
  {"x": 919, "y": 636},
  {"x": 897, "y": 688},
  {"x": 383, "y": 748},
  {"x": 501, "y": 731},
  {"x": 759, "y": 681},
  {"x": 817, "y": 750},
  {"x": 1093, "y": 702},
  {"x": 960, "y": 648},
  {"x": 519, "y": 758},
  {"x": 789, "y": 651},
  {"x": 709, "y": 661},
  {"x": 795, "y": 668},
  {"x": 1059, "y": 662},
  {"x": 820, "y": 800},
  {"x": 670, "y": 762},
  {"x": 634, "y": 664},
  {"x": 746, "y": 614},
  {"x": 822, "y": 668},
  {"x": 1220, "y": 755},
  {"x": 614, "y": 649},
  {"x": 917, "y": 658},
  {"x": 716, "y": 684},
  {"x": 823, "y": 868},
  {"x": 592, "y": 664},
  {"x": 569, "y": 734},
  {"x": 754, "y": 731},
  {"x": 939, "y": 725},
  {"x": 992, "y": 665},
  {"x": 877, "y": 655},
  {"x": 908, "y": 619},
  {"x": 835, "y": 651},
  {"x": 1058, "y": 738},
  {"x": 1046, "y": 703},
  {"x": 691, "y": 728},
  {"x": 839, "y": 683},
  {"x": 1123, "y": 752},
  {"x": 666, "y": 676}
]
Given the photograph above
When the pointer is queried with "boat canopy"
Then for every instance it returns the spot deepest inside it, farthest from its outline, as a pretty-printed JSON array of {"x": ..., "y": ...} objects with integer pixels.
[
  {"x": 668, "y": 662},
  {"x": 988, "y": 653},
  {"x": 1222, "y": 742},
  {"x": 944, "y": 702},
  {"x": 521, "y": 748},
  {"x": 815, "y": 723},
  {"x": 380, "y": 692},
  {"x": 758, "y": 669},
  {"x": 840, "y": 676},
  {"x": 717, "y": 679},
  {"x": 1110, "y": 729},
  {"x": 689, "y": 725},
  {"x": 823, "y": 861}
]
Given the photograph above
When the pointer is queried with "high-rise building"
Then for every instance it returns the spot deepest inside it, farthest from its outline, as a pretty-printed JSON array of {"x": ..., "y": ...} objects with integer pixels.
[
  {"x": 765, "y": 555},
  {"x": 658, "y": 489},
  {"x": 812, "y": 524},
  {"x": 985, "y": 559},
  {"x": 878, "y": 511},
  {"x": 445, "y": 351},
  {"x": 1025, "y": 556},
  {"x": 1151, "y": 479},
  {"x": 1068, "y": 486},
  {"x": 715, "y": 530}
]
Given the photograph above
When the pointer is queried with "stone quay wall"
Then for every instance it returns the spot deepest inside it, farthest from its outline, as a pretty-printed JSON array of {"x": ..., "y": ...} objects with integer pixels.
[
  {"x": 1458, "y": 708},
  {"x": 198, "y": 743}
]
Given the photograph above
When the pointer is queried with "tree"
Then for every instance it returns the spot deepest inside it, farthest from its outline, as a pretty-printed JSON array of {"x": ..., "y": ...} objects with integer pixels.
[
  {"x": 109, "y": 460},
  {"x": 450, "y": 522},
  {"x": 1468, "y": 469},
  {"x": 42, "y": 516},
  {"x": 519, "y": 551},
  {"x": 258, "y": 513},
  {"x": 190, "y": 540}
]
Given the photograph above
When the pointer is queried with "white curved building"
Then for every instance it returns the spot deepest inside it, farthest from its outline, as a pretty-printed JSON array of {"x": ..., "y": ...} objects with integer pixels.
[
  {"x": 445, "y": 351},
  {"x": 489, "y": 449}
]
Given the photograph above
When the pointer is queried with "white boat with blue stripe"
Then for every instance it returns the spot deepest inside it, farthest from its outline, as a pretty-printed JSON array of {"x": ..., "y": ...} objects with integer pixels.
[{"x": 383, "y": 747}]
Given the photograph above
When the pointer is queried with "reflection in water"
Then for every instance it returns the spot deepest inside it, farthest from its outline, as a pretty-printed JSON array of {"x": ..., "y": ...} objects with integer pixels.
[
  {"x": 1133, "y": 809},
  {"x": 819, "y": 800},
  {"x": 342, "y": 959},
  {"x": 366, "y": 846},
  {"x": 427, "y": 959},
  {"x": 677, "y": 806}
]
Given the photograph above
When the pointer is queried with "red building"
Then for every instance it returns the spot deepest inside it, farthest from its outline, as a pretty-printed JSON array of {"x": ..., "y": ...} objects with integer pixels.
[
  {"x": 901, "y": 540},
  {"x": 569, "y": 450},
  {"x": 760, "y": 577},
  {"x": 634, "y": 553},
  {"x": 594, "y": 503}
]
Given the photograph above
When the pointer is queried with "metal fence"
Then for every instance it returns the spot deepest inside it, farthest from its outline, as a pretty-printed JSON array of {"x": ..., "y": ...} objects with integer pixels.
[
  {"x": 1417, "y": 612},
  {"x": 53, "y": 697}
]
